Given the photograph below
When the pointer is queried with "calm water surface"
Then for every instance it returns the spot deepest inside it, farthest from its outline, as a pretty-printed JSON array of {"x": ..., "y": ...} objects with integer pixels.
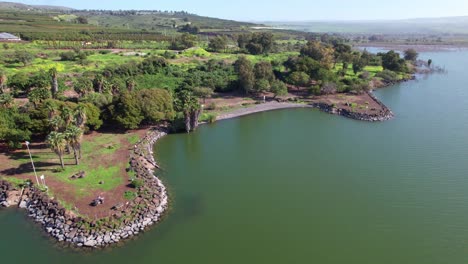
[{"x": 300, "y": 186}]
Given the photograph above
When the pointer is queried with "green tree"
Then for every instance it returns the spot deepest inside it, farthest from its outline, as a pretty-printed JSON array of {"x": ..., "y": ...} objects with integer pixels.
[
  {"x": 260, "y": 43},
  {"x": 24, "y": 57},
  {"x": 127, "y": 111},
  {"x": 83, "y": 86},
  {"x": 319, "y": 52},
  {"x": 218, "y": 43},
  {"x": 82, "y": 20},
  {"x": 358, "y": 65},
  {"x": 392, "y": 61},
  {"x": 411, "y": 55},
  {"x": 203, "y": 92},
  {"x": 264, "y": 70},
  {"x": 14, "y": 126},
  {"x": 262, "y": 85},
  {"x": 299, "y": 78},
  {"x": 57, "y": 143},
  {"x": 279, "y": 88},
  {"x": 184, "y": 41},
  {"x": 245, "y": 71},
  {"x": 156, "y": 105},
  {"x": 38, "y": 96},
  {"x": 19, "y": 82}
]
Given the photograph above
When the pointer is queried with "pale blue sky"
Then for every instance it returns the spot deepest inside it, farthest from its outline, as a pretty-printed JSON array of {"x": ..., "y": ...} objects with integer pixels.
[{"x": 261, "y": 10}]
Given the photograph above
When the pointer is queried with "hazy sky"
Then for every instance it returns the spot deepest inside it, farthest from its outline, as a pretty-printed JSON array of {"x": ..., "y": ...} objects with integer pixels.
[{"x": 285, "y": 9}]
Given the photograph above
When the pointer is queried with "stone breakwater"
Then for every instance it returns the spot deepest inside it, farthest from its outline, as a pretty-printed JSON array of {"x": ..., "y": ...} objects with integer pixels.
[
  {"x": 382, "y": 115},
  {"x": 126, "y": 221}
]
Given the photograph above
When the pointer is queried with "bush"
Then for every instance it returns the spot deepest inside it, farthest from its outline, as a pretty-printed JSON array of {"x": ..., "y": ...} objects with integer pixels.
[
  {"x": 212, "y": 118},
  {"x": 137, "y": 183},
  {"x": 129, "y": 195},
  {"x": 211, "y": 106},
  {"x": 67, "y": 56},
  {"x": 364, "y": 75},
  {"x": 388, "y": 76},
  {"x": 104, "y": 52}
]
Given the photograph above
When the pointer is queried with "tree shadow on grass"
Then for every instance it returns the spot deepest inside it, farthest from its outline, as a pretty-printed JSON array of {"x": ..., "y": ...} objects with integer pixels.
[{"x": 26, "y": 168}]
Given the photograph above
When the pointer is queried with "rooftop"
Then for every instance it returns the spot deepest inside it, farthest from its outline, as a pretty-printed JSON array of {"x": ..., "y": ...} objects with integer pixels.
[{"x": 5, "y": 35}]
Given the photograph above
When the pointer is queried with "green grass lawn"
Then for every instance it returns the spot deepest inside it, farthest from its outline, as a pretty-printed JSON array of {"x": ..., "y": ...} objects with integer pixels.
[{"x": 95, "y": 152}]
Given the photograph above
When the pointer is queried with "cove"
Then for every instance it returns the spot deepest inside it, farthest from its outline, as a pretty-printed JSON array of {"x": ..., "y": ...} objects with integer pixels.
[{"x": 301, "y": 186}]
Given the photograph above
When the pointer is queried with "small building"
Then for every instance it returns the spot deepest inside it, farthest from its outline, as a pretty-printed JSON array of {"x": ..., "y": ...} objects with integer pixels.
[{"x": 8, "y": 37}]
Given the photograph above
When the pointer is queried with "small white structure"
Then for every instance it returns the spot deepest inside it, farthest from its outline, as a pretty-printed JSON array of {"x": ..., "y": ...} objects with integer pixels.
[{"x": 8, "y": 37}]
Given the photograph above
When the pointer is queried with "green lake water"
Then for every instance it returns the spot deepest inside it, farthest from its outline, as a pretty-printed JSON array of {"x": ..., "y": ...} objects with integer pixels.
[{"x": 301, "y": 186}]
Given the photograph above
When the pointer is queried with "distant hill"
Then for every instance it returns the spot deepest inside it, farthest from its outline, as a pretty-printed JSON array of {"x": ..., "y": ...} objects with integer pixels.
[
  {"x": 23, "y": 7},
  {"x": 444, "y": 25},
  {"x": 20, "y": 18}
]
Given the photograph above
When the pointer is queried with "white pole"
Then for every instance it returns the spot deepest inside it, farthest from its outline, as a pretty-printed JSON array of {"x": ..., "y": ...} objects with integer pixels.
[
  {"x": 32, "y": 162},
  {"x": 43, "y": 181}
]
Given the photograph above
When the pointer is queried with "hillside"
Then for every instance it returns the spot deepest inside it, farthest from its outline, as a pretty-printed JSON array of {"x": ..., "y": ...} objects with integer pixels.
[
  {"x": 23, "y": 7},
  {"x": 39, "y": 22}
]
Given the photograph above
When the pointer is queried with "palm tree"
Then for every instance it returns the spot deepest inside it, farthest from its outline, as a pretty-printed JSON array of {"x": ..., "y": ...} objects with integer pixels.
[
  {"x": 188, "y": 104},
  {"x": 54, "y": 82},
  {"x": 74, "y": 136},
  {"x": 67, "y": 116},
  {"x": 80, "y": 116},
  {"x": 58, "y": 144},
  {"x": 52, "y": 109},
  {"x": 99, "y": 81},
  {"x": 3, "y": 81},
  {"x": 56, "y": 123}
]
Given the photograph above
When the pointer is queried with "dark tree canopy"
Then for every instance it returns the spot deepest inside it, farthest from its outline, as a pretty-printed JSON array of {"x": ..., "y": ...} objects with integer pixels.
[
  {"x": 392, "y": 61},
  {"x": 411, "y": 55}
]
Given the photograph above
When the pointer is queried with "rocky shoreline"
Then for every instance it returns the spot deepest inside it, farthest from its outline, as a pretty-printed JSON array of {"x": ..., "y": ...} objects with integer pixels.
[
  {"x": 127, "y": 220},
  {"x": 384, "y": 115}
]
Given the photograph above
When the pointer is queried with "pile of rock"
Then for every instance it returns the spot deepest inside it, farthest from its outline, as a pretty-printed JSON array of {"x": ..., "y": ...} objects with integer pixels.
[
  {"x": 127, "y": 221},
  {"x": 9, "y": 195}
]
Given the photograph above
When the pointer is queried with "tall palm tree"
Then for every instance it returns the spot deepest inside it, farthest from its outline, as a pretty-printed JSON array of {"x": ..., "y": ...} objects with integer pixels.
[
  {"x": 74, "y": 136},
  {"x": 54, "y": 82},
  {"x": 56, "y": 123},
  {"x": 3, "y": 81},
  {"x": 80, "y": 116},
  {"x": 58, "y": 144}
]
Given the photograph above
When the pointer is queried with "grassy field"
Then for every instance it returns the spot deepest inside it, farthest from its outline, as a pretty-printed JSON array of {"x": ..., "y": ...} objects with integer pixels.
[{"x": 99, "y": 155}]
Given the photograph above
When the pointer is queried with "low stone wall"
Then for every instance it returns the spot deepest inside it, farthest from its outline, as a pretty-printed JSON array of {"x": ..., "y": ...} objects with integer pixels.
[
  {"x": 128, "y": 219},
  {"x": 383, "y": 115}
]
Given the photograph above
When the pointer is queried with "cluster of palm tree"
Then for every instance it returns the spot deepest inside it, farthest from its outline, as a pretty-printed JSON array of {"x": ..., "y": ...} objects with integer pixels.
[{"x": 67, "y": 128}]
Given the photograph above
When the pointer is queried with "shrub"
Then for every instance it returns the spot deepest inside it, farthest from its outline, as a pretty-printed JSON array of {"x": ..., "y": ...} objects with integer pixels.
[
  {"x": 211, "y": 106},
  {"x": 137, "y": 183},
  {"x": 212, "y": 118},
  {"x": 129, "y": 195},
  {"x": 365, "y": 75},
  {"x": 104, "y": 52},
  {"x": 388, "y": 76},
  {"x": 67, "y": 56}
]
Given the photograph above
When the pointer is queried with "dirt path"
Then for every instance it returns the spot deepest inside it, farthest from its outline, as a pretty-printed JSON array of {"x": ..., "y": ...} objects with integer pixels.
[{"x": 269, "y": 106}]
